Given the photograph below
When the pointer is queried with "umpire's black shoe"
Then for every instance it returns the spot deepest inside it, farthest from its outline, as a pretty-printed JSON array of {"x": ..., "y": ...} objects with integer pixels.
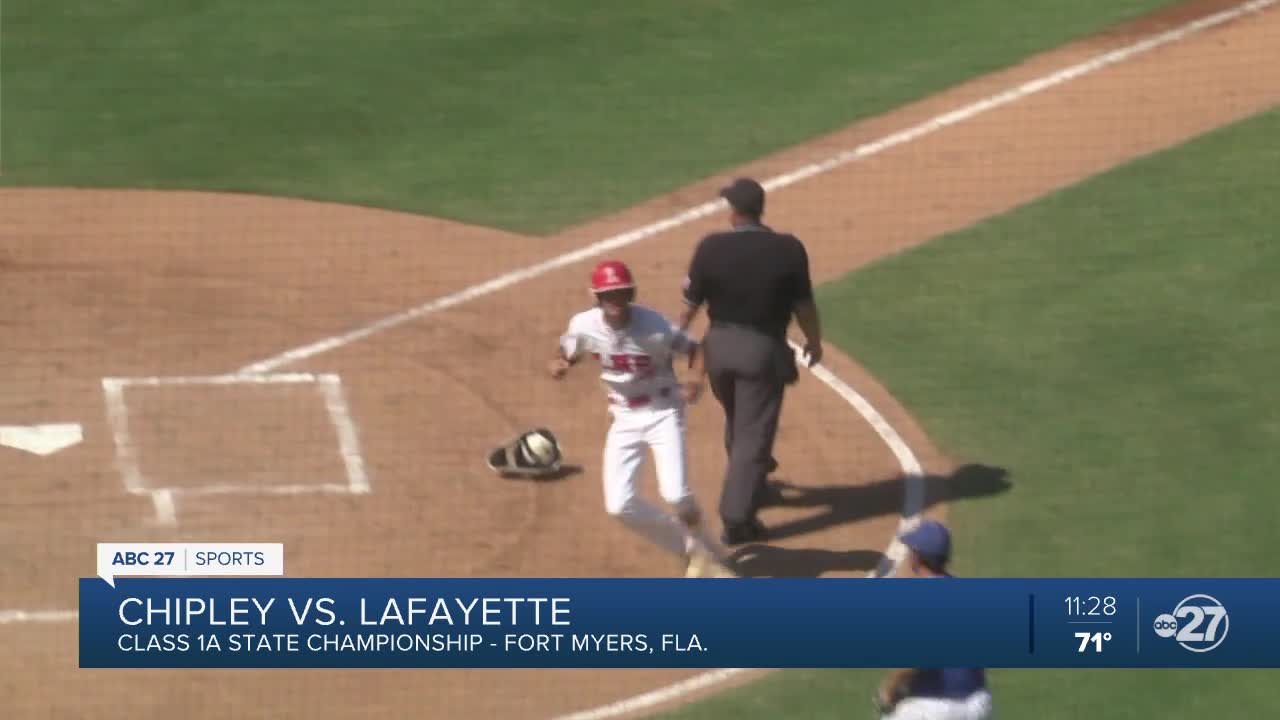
[
  {"x": 771, "y": 494},
  {"x": 751, "y": 531}
]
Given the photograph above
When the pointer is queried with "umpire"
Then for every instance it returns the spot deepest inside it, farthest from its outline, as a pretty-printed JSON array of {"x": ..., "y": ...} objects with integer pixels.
[{"x": 753, "y": 280}]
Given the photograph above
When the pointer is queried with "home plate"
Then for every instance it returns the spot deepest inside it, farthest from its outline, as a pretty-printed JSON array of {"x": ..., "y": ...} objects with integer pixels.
[{"x": 41, "y": 439}]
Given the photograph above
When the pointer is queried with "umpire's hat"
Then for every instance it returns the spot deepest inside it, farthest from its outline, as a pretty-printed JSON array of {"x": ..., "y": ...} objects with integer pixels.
[{"x": 746, "y": 196}]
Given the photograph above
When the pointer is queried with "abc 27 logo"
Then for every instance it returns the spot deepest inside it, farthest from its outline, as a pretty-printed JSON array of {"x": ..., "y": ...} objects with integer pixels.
[{"x": 1199, "y": 623}]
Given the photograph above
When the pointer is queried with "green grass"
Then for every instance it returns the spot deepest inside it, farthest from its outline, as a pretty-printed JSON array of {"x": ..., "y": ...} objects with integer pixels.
[
  {"x": 1115, "y": 347},
  {"x": 522, "y": 115}
]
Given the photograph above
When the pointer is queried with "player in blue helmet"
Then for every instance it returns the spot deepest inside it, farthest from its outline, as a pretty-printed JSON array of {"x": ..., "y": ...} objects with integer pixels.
[{"x": 932, "y": 693}]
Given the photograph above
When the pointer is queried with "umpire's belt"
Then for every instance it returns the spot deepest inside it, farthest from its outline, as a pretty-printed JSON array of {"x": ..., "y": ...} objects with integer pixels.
[
  {"x": 636, "y": 401},
  {"x": 772, "y": 334}
]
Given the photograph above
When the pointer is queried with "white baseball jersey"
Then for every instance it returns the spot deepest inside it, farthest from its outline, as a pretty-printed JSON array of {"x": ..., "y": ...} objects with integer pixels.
[{"x": 635, "y": 362}]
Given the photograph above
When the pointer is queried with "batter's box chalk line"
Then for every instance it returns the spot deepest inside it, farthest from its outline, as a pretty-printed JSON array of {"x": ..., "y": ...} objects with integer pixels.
[{"x": 164, "y": 498}]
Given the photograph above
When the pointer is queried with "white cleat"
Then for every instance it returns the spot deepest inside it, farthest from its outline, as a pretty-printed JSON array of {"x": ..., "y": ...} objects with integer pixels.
[{"x": 703, "y": 565}]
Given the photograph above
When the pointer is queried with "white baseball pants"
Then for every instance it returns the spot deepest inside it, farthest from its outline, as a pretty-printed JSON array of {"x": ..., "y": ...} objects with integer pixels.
[
  {"x": 633, "y": 434},
  {"x": 977, "y": 706}
]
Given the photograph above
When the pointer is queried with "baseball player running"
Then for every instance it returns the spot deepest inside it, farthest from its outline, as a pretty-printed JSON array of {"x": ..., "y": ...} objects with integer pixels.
[
  {"x": 635, "y": 346},
  {"x": 933, "y": 693}
]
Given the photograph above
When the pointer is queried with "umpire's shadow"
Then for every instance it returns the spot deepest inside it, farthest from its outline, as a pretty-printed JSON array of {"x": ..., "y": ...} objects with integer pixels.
[
  {"x": 840, "y": 504},
  {"x": 779, "y": 562}
]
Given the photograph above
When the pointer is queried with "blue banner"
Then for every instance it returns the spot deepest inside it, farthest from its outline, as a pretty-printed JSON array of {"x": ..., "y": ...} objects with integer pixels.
[{"x": 678, "y": 623}]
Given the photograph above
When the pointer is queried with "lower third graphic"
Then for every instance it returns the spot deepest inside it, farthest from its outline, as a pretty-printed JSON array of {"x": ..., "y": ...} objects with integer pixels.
[{"x": 1199, "y": 623}]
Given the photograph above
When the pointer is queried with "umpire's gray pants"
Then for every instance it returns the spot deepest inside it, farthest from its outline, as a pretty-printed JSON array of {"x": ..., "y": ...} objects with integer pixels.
[{"x": 748, "y": 372}]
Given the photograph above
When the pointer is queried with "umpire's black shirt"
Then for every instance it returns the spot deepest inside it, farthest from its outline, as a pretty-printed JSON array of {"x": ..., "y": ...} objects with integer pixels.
[{"x": 750, "y": 276}]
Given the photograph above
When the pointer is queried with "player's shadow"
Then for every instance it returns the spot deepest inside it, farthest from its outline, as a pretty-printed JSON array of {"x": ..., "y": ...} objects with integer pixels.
[
  {"x": 778, "y": 562},
  {"x": 840, "y": 504},
  {"x": 561, "y": 473}
]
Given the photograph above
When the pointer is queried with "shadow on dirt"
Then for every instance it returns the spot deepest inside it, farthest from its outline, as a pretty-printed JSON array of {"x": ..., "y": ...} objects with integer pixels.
[
  {"x": 565, "y": 471},
  {"x": 841, "y": 504},
  {"x": 770, "y": 561}
]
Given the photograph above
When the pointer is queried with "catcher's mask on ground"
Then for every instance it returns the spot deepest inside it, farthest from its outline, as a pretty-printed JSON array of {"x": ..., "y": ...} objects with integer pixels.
[{"x": 531, "y": 453}]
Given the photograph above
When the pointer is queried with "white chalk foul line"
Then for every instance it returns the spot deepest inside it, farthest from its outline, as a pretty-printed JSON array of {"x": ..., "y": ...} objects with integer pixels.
[
  {"x": 662, "y": 695},
  {"x": 697, "y": 212},
  {"x": 118, "y": 421},
  {"x": 348, "y": 441},
  {"x": 913, "y": 502},
  {"x": 215, "y": 380},
  {"x": 195, "y": 491},
  {"x": 9, "y": 617},
  {"x": 164, "y": 499},
  {"x": 910, "y": 467},
  {"x": 912, "y": 473},
  {"x": 166, "y": 507}
]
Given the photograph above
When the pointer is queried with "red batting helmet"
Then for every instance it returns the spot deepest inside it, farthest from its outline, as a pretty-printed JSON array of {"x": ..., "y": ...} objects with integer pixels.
[{"x": 611, "y": 275}]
